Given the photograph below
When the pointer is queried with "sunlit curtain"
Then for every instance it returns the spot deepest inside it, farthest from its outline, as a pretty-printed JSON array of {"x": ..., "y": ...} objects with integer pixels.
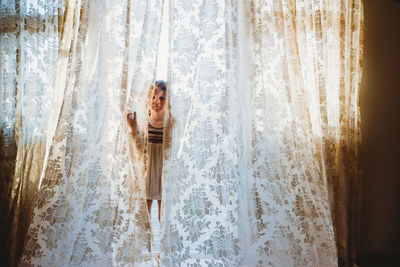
[
  {"x": 91, "y": 207},
  {"x": 28, "y": 54},
  {"x": 330, "y": 73},
  {"x": 262, "y": 164},
  {"x": 261, "y": 143}
]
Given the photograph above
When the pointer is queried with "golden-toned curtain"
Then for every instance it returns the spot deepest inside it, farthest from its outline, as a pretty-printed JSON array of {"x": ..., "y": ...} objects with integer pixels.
[
  {"x": 263, "y": 167},
  {"x": 91, "y": 207},
  {"x": 63, "y": 100},
  {"x": 28, "y": 54},
  {"x": 325, "y": 40},
  {"x": 261, "y": 159}
]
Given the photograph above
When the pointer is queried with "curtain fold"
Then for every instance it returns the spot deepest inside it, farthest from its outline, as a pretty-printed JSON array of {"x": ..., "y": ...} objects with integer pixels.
[
  {"x": 29, "y": 42},
  {"x": 263, "y": 166},
  {"x": 91, "y": 207},
  {"x": 330, "y": 71},
  {"x": 262, "y": 141}
]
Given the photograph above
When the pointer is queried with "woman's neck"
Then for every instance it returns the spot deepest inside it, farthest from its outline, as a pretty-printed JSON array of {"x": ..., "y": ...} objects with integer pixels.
[{"x": 157, "y": 118}]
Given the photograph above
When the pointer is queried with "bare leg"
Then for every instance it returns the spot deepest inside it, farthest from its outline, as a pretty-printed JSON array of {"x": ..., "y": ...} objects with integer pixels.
[
  {"x": 159, "y": 210},
  {"x": 149, "y": 202}
]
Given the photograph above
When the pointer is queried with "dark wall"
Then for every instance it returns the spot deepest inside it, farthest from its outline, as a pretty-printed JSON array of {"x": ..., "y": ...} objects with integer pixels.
[{"x": 380, "y": 114}]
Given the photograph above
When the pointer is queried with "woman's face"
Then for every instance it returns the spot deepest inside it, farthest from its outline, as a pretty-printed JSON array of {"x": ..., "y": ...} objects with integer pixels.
[{"x": 158, "y": 100}]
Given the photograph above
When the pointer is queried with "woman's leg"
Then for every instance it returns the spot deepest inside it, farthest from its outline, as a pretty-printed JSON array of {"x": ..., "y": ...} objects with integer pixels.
[
  {"x": 149, "y": 202},
  {"x": 159, "y": 210}
]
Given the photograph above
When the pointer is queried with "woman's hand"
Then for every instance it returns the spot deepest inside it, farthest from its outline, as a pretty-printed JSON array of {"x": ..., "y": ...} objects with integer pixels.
[{"x": 132, "y": 123}]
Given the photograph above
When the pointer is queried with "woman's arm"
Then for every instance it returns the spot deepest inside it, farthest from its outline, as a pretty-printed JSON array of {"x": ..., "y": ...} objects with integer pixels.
[
  {"x": 132, "y": 123},
  {"x": 134, "y": 133}
]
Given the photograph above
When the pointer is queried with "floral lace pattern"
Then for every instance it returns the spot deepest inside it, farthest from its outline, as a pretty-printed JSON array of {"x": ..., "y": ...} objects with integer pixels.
[
  {"x": 261, "y": 143},
  {"x": 258, "y": 89},
  {"x": 29, "y": 43},
  {"x": 91, "y": 207}
]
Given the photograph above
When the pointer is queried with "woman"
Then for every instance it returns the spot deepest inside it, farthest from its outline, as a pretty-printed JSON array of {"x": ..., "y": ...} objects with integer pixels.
[{"x": 155, "y": 143}]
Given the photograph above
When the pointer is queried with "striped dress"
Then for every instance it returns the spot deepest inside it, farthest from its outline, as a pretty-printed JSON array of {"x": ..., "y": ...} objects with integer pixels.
[{"x": 155, "y": 162}]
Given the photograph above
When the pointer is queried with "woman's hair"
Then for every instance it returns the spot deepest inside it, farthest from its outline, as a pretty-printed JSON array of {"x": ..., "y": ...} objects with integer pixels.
[{"x": 161, "y": 84}]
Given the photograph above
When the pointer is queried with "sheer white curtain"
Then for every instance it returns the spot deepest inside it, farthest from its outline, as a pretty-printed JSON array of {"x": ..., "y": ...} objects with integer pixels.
[
  {"x": 28, "y": 54},
  {"x": 261, "y": 142},
  {"x": 91, "y": 207},
  {"x": 258, "y": 91}
]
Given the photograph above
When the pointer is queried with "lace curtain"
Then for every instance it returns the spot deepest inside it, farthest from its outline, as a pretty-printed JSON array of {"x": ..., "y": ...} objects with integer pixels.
[
  {"x": 263, "y": 157},
  {"x": 91, "y": 205},
  {"x": 29, "y": 43},
  {"x": 261, "y": 144}
]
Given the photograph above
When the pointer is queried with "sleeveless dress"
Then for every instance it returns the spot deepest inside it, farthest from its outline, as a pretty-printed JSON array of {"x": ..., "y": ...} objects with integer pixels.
[{"x": 154, "y": 162}]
